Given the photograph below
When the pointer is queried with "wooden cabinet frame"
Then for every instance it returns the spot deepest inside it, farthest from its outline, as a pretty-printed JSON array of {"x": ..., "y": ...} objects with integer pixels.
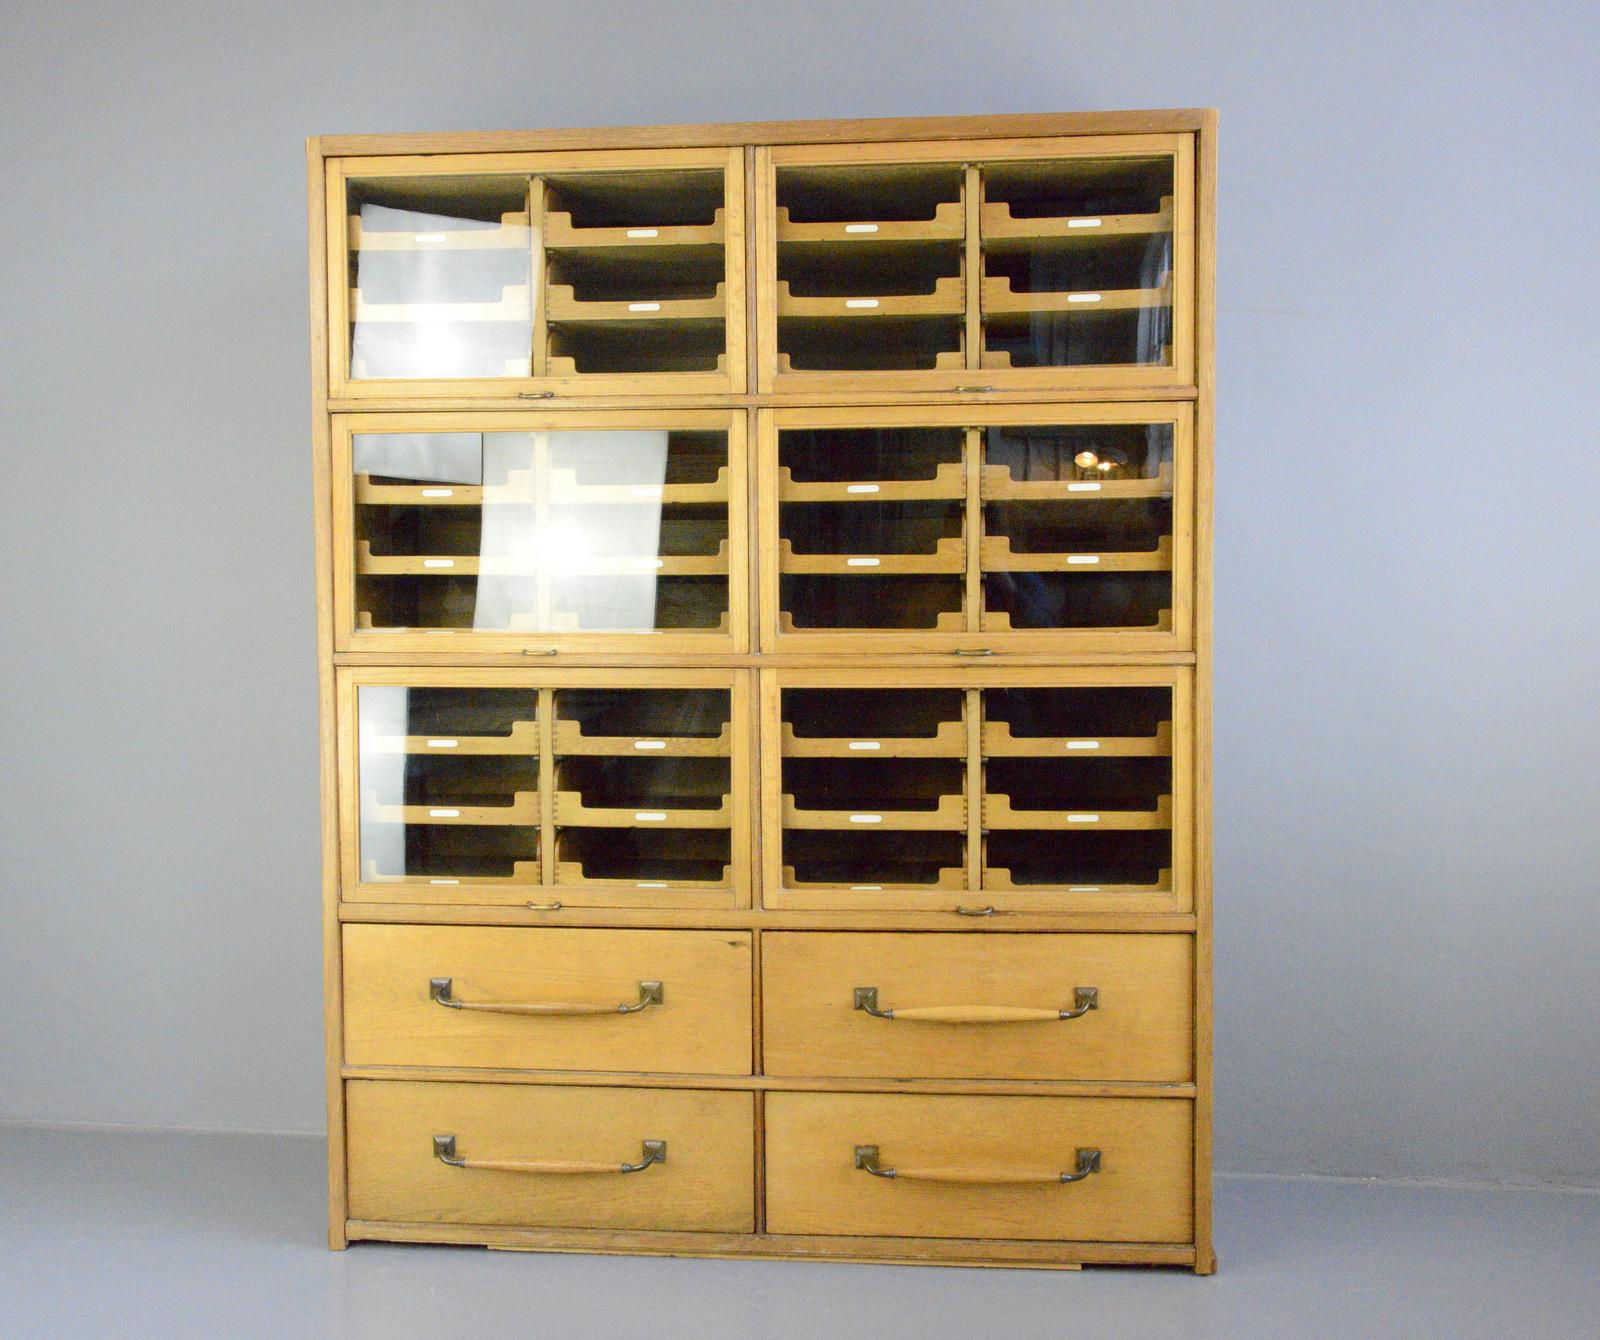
[
  {"x": 541, "y": 385},
  {"x": 549, "y": 894},
  {"x": 751, "y": 397},
  {"x": 468, "y": 643},
  {"x": 972, "y": 639}
]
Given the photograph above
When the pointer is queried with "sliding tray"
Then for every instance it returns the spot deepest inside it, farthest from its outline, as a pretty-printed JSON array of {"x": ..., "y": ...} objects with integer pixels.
[
  {"x": 1051, "y": 530},
  {"x": 538, "y": 532},
  {"x": 531, "y": 275},
  {"x": 976, "y": 266},
  {"x": 978, "y": 791},
  {"x": 544, "y": 788}
]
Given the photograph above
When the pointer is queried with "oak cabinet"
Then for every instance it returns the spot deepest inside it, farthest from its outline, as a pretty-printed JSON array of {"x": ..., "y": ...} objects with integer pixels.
[{"x": 764, "y": 617}]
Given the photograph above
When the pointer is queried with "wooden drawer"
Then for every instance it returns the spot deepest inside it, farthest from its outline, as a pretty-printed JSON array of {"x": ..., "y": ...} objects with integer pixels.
[
  {"x": 954, "y": 998},
  {"x": 554, "y": 998},
  {"x": 704, "y": 1182},
  {"x": 960, "y": 1162}
]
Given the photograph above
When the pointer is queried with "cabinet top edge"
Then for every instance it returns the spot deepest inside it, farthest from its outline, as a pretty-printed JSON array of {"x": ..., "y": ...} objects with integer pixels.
[{"x": 732, "y": 133}]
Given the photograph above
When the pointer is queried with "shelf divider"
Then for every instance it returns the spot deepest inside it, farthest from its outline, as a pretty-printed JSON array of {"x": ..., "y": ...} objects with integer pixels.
[
  {"x": 974, "y": 716},
  {"x": 541, "y": 322},
  {"x": 972, "y": 449},
  {"x": 547, "y": 787},
  {"x": 972, "y": 263}
]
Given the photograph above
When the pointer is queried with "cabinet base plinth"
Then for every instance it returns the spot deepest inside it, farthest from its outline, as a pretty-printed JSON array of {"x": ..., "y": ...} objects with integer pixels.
[{"x": 996, "y": 1253}]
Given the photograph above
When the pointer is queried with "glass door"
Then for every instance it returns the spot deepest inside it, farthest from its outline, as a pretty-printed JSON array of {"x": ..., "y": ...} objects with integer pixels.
[
  {"x": 978, "y": 792},
  {"x": 537, "y": 274},
  {"x": 1044, "y": 529},
  {"x": 496, "y": 532},
  {"x": 621, "y": 788},
  {"x": 977, "y": 266}
]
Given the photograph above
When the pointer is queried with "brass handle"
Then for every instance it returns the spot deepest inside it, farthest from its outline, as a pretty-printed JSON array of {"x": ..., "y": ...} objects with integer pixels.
[
  {"x": 444, "y": 1149},
  {"x": 541, "y": 651},
  {"x": 440, "y": 991},
  {"x": 1087, "y": 1161},
  {"x": 1084, "y": 999},
  {"x": 975, "y": 911}
]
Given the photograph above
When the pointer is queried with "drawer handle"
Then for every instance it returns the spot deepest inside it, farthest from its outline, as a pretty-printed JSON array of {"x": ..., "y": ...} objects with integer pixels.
[
  {"x": 439, "y": 989},
  {"x": 1084, "y": 999},
  {"x": 444, "y": 1149},
  {"x": 1087, "y": 1162}
]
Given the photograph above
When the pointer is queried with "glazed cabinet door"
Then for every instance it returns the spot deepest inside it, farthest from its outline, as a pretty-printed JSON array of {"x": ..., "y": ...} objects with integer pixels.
[
  {"x": 979, "y": 792},
  {"x": 621, "y": 788},
  {"x": 570, "y": 531},
  {"x": 977, "y": 266},
  {"x": 596, "y": 273},
  {"x": 1047, "y": 529}
]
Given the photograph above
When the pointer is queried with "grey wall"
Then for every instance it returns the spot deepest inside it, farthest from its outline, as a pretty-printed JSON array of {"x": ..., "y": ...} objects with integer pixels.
[{"x": 1408, "y": 715}]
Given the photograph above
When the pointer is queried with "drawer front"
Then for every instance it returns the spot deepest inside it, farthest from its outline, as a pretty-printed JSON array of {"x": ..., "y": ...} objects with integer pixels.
[
  {"x": 955, "y": 1001},
  {"x": 548, "y": 999},
  {"x": 980, "y": 1167},
  {"x": 566, "y": 1148}
]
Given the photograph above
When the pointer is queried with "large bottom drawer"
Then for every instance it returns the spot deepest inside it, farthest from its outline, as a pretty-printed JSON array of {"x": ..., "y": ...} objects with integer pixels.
[
  {"x": 542, "y": 998},
  {"x": 550, "y": 1156},
  {"x": 980, "y": 1167},
  {"x": 959, "y": 1006}
]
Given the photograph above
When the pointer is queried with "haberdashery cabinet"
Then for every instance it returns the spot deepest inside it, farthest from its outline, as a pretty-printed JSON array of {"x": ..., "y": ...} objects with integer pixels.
[{"x": 764, "y": 638}]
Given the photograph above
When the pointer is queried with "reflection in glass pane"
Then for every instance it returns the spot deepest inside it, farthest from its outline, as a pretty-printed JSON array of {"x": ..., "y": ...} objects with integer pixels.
[
  {"x": 441, "y": 278},
  {"x": 1078, "y": 789},
  {"x": 871, "y": 525},
  {"x": 874, "y": 789},
  {"x": 573, "y": 531},
  {"x": 1078, "y": 526},
  {"x": 1077, "y": 262},
  {"x": 870, "y": 267},
  {"x": 643, "y": 782},
  {"x": 449, "y": 785}
]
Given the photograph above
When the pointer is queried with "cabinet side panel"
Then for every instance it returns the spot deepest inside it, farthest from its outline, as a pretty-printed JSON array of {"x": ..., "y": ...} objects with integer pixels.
[
  {"x": 1205, "y": 355},
  {"x": 322, "y": 498}
]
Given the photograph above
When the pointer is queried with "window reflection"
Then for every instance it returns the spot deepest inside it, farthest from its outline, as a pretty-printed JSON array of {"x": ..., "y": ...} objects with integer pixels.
[{"x": 573, "y": 531}]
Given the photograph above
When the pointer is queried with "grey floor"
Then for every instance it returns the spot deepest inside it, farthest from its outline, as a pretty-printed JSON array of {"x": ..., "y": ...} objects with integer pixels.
[{"x": 134, "y": 1235}]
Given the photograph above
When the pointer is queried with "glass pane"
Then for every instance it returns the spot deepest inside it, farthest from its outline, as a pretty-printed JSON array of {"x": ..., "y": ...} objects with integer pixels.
[
  {"x": 571, "y": 531},
  {"x": 449, "y": 785},
  {"x": 635, "y": 272},
  {"x": 869, "y": 267},
  {"x": 1078, "y": 789},
  {"x": 643, "y": 787},
  {"x": 872, "y": 525},
  {"x": 1078, "y": 526},
  {"x": 1077, "y": 262},
  {"x": 441, "y": 277},
  {"x": 874, "y": 789}
]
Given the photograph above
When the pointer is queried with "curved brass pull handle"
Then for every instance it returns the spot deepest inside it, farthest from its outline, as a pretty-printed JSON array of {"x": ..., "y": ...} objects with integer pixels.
[
  {"x": 962, "y": 911},
  {"x": 444, "y": 1149},
  {"x": 1084, "y": 999},
  {"x": 1087, "y": 1162},
  {"x": 439, "y": 991}
]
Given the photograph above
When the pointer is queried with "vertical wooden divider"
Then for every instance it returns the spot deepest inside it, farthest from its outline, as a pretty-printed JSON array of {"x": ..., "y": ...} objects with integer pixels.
[
  {"x": 547, "y": 787},
  {"x": 538, "y": 288},
  {"x": 972, "y": 264},
  {"x": 973, "y": 712},
  {"x": 972, "y": 525}
]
